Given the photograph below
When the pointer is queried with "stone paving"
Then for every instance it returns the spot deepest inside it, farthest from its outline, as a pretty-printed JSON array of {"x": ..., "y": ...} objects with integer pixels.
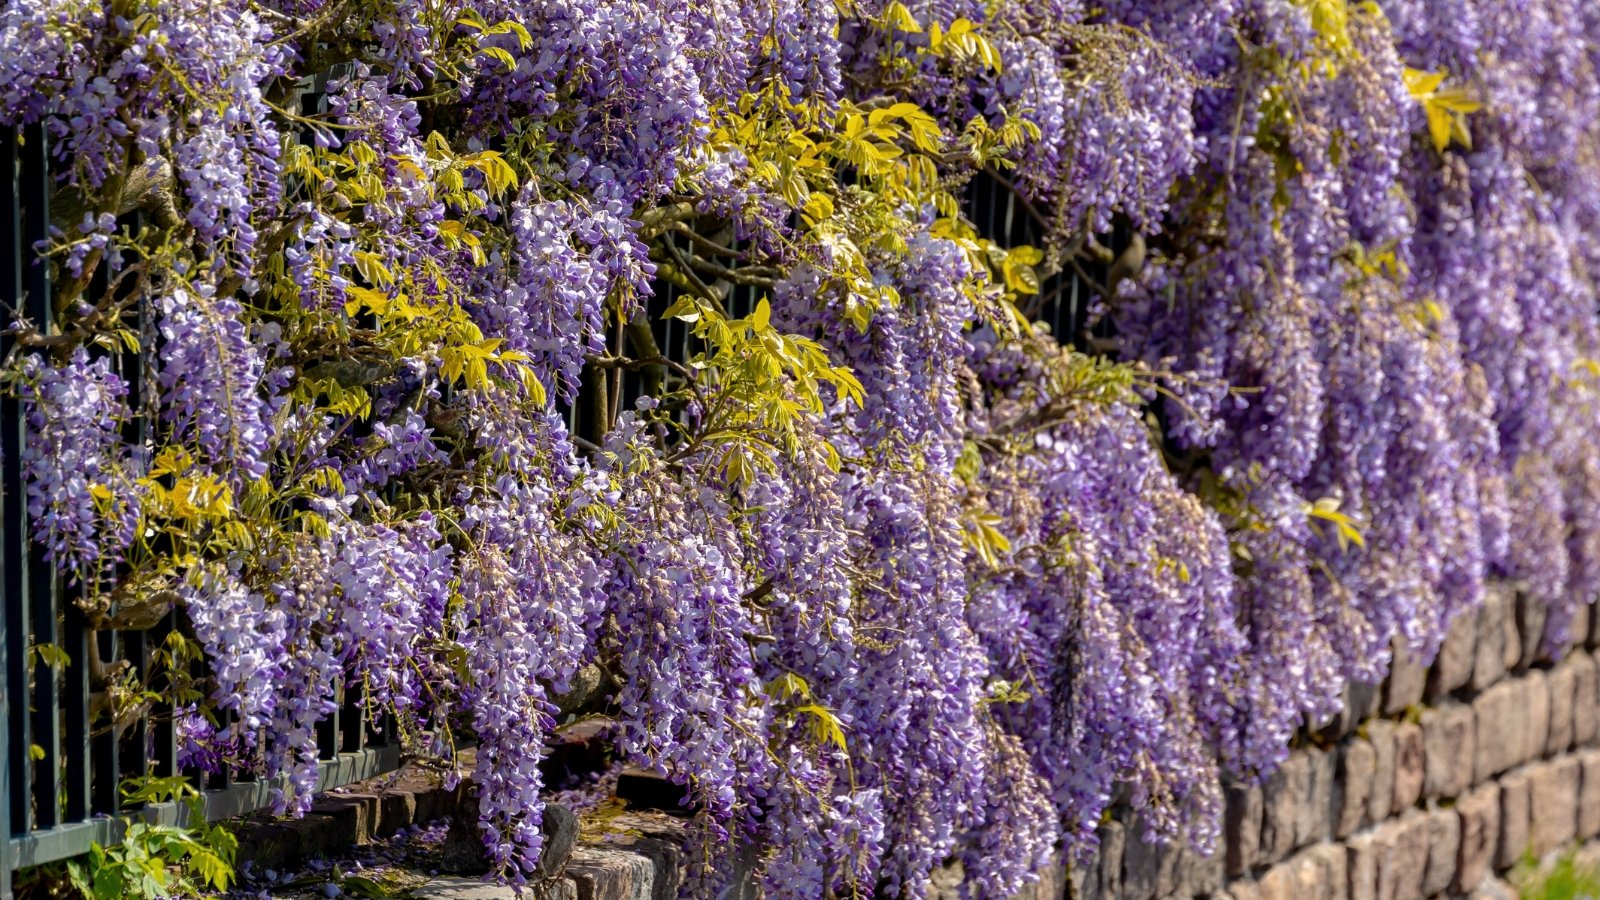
[{"x": 452, "y": 888}]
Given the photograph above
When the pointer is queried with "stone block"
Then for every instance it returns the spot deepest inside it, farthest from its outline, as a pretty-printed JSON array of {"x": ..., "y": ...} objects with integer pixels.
[
  {"x": 1480, "y": 834},
  {"x": 1361, "y": 853},
  {"x": 1153, "y": 871},
  {"x": 1452, "y": 668},
  {"x": 1561, "y": 683},
  {"x": 1442, "y": 830},
  {"x": 396, "y": 810},
  {"x": 1113, "y": 838},
  {"x": 1332, "y": 872},
  {"x": 1408, "y": 678},
  {"x": 429, "y": 799},
  {"x": 1052, "y": 885},
  {"x": 1501, "y": 716},
  {"x": 452, "y": 887},
  {"x": 357, "y": 814},
  {"x": 1578, "y": 631},
  {"x": 1402, "y": 869},
  {"x": 1448, "y": 750},
  {"x": 1198, "y": 874},
  {"x": 1278, "y": 883},
  {"x": 1242, "y": 828},
  {"x": 1361, "y": 701},
  {"x": 321, "y": 836},
  {"x": 1317, "y": 873},
  {"x": 1588, "y": 794},
  {"x": 1585, "y": 699},
  {"x": 1515, "y": 796},
  {"x": 1409, "y": 765},
  {"x": 1149, "y": 870},
  {"x": 1381, "y": 735},
  {"x": 1531, "y": 615},
  {"x": 1315, "y": 822},
  {"x": 1553, "y": 809},
  {"x": 560, "y": 839},
  {"x": 268, "y": 845},
  {"x": 659, "y": 839},
  {"x": 944, "y": 883},
  {"x": 1538, "y": 692},
  {"x": 1283, "y": 797},
  {"x": 611, "y": 875},
  {"x": 1494, "y": 889},
  {"x": 643, "y": 788},
  {"x": 463, "y": 852},
  {"x": 1242, "y": 889},
  {"x": 1586, "y": 857},
  {"x": 1310, "y": 879},
  {"x": 1083, "y": 882},
  {"x": 1357, "y": 763},
  {"x": 1496, "y": 636}
]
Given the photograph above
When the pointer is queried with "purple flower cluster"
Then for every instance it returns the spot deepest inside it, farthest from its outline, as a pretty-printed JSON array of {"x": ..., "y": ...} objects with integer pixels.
[
  {"x": 81, "y": 494},
  {"x": 211, "y": 376},
  {"x": 393, "y": 450},
  {"x": 1009, "y": 590},
  {"x": 245, "y": 637},
  {"x": 532, "y": 589},
  {"x": 564, "y": 263}
]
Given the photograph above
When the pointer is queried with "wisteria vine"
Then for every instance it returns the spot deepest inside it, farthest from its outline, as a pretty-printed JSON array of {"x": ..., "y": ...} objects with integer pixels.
[{"x": 884, "y": 574}]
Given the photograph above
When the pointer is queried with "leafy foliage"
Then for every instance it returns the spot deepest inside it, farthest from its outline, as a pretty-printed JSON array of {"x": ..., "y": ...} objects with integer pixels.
[{"x": 883, "y": 573}]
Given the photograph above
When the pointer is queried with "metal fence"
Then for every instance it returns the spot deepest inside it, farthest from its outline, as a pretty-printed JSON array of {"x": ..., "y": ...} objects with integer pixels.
[{"x": 64, "y": 761}]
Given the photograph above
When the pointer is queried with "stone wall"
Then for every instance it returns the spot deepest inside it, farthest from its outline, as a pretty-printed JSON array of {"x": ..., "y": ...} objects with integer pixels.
[{"x": 1429, "y": 785}]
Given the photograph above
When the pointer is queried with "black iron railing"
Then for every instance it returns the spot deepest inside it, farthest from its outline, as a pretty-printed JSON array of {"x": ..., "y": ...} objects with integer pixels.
[{"x": 65, "y": 759}]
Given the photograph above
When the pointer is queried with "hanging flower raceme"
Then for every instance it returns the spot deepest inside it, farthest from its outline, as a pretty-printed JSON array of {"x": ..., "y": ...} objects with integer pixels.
[
  {"x": 82, "y": 496},
  {"x": 452, "y": 358}
]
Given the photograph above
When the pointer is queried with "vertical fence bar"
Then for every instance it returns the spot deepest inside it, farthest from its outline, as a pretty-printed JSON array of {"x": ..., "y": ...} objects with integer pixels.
[
  {"x": 133, "y": 746},
  {"x": 105, "y": 760},
  {"x": 42, "y": 594},
  {"x": 164, "y": 737},
  {"x": 76, "y": 726},
  {"x": 10, "y": 295},
  {"x": 75, "y": 710},
  {"x": 328, "y": 731},
  {"x": 223, "y": 776},
  {"x": 19, "y": 725},
  {"x": 353, "y": 720},
  {"x": 136, "y": 748}
]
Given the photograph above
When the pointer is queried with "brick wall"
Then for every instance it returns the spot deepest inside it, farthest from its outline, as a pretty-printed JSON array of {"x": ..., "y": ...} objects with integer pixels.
[{"x": 1427, "y": 786}]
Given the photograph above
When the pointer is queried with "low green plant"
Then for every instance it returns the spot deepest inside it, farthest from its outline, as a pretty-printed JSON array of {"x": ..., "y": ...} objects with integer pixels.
[
  {"x": 155, "y": 860},
  {"x": 1568, "y": 878}
]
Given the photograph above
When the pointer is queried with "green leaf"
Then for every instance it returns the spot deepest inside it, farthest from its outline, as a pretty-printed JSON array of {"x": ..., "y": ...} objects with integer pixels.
[
  {"x": 211, "y": 868},
  {"x": 899, "y": 18},
  {"x": 789, "y": 685},
  {"x": 52, "y": 656},
  {"x": 503, "y": 56},
  {"x": 825, "y": 726},
  {"x": 362, "y": 886}
]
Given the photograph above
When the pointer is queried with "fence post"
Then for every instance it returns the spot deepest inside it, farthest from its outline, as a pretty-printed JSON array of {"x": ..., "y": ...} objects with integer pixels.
[{"x": 10, "y": 598}]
